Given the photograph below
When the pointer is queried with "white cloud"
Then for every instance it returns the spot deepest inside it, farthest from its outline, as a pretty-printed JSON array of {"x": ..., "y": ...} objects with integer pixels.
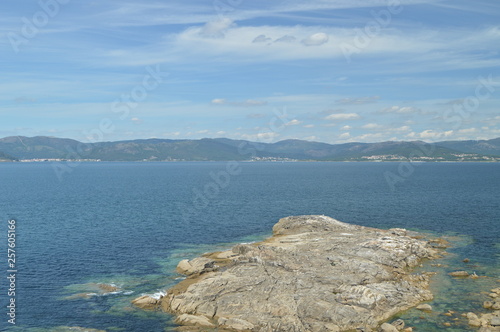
[
  {"x": 264, "y": 137},
  {"x": 359, "y": 100},
  {"x": 401, "y": 129},
  {"x": 294, "y": 122},
  {"x": 218, "y": 101},
  {"x": 216, "y": 29},
  {"x": 316, "y": 39},
  {"x": 346, "y": 128},
  {"x": 372, "y": 126},
  {"x": 170, "y": 134},
  {"x": 246, "y": 103},
  {"x": 225, "y": 42},
  {"x": 309, "y": 126},
  {"x": 136, "y": 120},
  {"x": 343, "y": 116},
  {"x": 430, "y": 135},
  {"x": 400, "y": 110},
  {"x": 345, "y": 136},
  {"x": 495, "y": 119},
  {"x": 468, "y": 131},
  {"x": 370, "y": 137}
]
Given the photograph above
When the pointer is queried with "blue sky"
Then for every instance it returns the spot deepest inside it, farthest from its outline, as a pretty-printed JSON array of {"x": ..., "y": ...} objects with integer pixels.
[{"x": 333, "y": 71}]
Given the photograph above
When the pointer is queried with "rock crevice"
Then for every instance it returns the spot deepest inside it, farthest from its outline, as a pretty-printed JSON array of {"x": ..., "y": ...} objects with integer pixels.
[{"x": 314, "y": 274}]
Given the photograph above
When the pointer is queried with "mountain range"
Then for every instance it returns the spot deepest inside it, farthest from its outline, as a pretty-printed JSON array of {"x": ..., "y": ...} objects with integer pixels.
[{"x": 220, "y": 149}]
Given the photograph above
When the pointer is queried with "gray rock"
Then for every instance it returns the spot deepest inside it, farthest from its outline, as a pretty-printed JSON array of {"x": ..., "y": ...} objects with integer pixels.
[
  {"x": 398, "y": 231},
  {"x": 425, "y": 307},
  {"x": 146, "y": 302},
  {"x": 235, "y": 324},
  {"x": 399, "y": 324},
  {"x": 315, "y": 274},
  {"x": 193, "y": 320},
  {"x": 495, "y": 321},
  {"x": 489, "y": 329},
  {"x": 197, "y": 265},
  {"x": 472, "y": 316},
  {"x": 388, "y": 328}
]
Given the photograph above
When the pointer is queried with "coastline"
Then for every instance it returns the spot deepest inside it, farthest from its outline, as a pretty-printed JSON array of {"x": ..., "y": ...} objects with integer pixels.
[{"x": 368, "y": 279}]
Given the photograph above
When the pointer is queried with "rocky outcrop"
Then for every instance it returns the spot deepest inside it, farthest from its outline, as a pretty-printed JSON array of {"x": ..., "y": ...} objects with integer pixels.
[
  {"x": 146, "y": 302},
  {"x": 315, "y": 274},
  {"x": 489, "y": 322}
]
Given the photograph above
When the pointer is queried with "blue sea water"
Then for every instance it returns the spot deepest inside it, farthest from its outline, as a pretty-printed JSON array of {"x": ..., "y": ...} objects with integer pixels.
[{"x": 128, "y": 224}]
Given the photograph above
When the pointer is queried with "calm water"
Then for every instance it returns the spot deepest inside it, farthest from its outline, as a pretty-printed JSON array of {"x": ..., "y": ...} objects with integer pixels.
[{"x": 129, "y": 224}]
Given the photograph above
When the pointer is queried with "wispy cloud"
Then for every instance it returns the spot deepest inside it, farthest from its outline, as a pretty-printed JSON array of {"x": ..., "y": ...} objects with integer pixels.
[
  {"x": 342, "y": 116},
  {"x": 225, "y": 65},
  {"x": 246, "y": 103},
  {"x": 216, "y": 29},
  {"x": 400, "y": 110},
  {"x": 358, "y": 101}
]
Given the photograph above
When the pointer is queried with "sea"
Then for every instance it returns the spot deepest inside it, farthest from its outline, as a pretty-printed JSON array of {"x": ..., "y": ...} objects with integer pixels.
[{"x": 92, "y": 236}]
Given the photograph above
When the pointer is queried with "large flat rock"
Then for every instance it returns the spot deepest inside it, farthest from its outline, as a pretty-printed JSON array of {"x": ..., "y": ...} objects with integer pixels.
[{"x": 315, "y": 274}]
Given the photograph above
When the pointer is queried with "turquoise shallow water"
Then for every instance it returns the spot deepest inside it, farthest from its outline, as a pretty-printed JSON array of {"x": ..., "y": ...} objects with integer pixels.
[{"x": 128, "y": 224}]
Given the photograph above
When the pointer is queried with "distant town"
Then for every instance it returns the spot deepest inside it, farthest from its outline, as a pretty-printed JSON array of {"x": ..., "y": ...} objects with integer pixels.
[{"x": 53, "y": 149}]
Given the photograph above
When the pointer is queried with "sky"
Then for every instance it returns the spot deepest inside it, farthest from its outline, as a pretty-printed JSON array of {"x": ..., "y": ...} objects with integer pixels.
[{"x": 332, "y": 71}]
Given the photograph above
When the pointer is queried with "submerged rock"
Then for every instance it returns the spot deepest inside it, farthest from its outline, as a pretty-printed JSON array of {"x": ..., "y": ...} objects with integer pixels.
[
  {"x": 315, "y": 274},
  {"x": 461, "y": 274},
  {"x": 89, "y": 290},
  {"x": 425, "y": 307},
  {"x": 74, "y": 329}
]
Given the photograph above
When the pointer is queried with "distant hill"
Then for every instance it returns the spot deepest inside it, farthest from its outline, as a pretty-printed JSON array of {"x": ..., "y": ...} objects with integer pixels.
[
  {"x": 221, "y": 149},
  {"x": 348, "y": 151},
  {"x": 37, "y": 147},
  {"x": 487, "y": 147},
  {"x": 6, "y": 157}
]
